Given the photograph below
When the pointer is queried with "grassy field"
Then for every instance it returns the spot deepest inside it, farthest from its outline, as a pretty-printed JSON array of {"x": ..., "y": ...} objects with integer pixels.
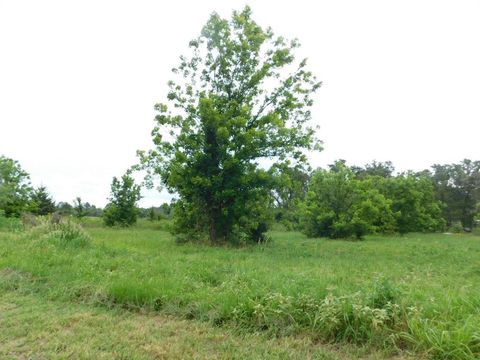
[{"x": 143, "y": 296}]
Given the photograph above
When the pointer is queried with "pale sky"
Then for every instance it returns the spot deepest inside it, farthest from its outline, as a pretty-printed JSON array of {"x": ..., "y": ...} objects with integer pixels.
[{"x": 78, "y": 81}]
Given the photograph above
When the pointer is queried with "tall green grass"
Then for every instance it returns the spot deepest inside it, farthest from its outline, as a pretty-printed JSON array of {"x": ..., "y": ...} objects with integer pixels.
[{"x": 416, "y": 292}]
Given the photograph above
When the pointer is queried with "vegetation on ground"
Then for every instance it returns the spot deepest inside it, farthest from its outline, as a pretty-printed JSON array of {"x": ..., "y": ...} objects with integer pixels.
[{"x": 394, "y": 294}]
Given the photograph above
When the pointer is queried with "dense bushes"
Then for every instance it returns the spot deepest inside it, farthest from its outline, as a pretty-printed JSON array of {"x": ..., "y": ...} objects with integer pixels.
[
  {"x": 338, "y": 205},
  {"x": 341, "y": 204},
  {"x": 414, "y": 204}
]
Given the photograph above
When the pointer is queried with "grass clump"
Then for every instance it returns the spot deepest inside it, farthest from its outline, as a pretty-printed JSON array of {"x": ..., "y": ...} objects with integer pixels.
[
  {"x": 58, "y": 231},
  {"x": 333, "y": 318}
]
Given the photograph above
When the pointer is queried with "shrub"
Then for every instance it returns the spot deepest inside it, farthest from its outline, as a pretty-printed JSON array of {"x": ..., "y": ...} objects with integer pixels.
[
  {"x": 338, "y": 205},
  {"x": 350, "y": 318},
  {"x": 61, "y": 233},
  {"x": 456, "y": 227},
  {"x": 9, "y": 224}
]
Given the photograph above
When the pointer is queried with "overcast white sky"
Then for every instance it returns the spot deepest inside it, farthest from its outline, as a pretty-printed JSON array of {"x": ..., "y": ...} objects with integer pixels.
[{"x": 78, "y": 81}]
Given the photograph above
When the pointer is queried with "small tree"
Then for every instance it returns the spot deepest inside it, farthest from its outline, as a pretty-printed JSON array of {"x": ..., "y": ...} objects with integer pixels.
[
  {"x": 79, "y": 208},
  {"x": 122, "y": 209},
  {"x": 166, "y": 210},
  {"x": 152, "y": 215},
  {"x": 15, "y": 188},
  {"x": 64, "y": 208},
  {"x": 41, "y": 202},
  {"x": 240, "y": 97}
]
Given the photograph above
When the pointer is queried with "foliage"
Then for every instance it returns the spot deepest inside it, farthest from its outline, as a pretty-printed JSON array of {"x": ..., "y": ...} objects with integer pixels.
[
  {"x": 122, "y": 209},
  {"x": 477, "y": 216},
  {"x": 10, "y": 224},
  {"x": 375, "y": 168},
  {"x": 41, "y": 202},
  {"x": 456, "y": 227},
  {"x": 79, "y": 208},
  {"x": 458, "y": 187},
  {"x": 240, "y": 97},
  {"x": 153, "y": 213},
  {"x": 64, "y": 208},
  {"x": 290, "y": 188},
  {"x": 414, "y": 203},
  {"x": 15, "y": 188},
  {"x": 339, "y": 205},
  {"x": 58, "y": 231}
]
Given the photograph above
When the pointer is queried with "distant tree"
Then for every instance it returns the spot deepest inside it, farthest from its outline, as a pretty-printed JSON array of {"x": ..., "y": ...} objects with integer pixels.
[
  {"x": 477, "y": 215},
  {"x": 92, "y": 210},
  {"x": 79, "y": 208},
  {"x": 465, "y": 181},
  {"x": 445, "y": 193},
  {"x": 64, "y": 208},
  {"x": 15, "y": 188},
  {"x": 458, "y": 187},
  {"x": 414, "y": 203},
  {"x": 381, "y": 169},
  {"x": 41, "y": 202},
  {"x": 290, "y": 188},
  {"x": 339, "y": 205},
  {"x": 122, "y": 209},
  {"x": 152, "y": 215},
  {"x": 240, "y": 97},
  {"x": 166, "y": 210}
]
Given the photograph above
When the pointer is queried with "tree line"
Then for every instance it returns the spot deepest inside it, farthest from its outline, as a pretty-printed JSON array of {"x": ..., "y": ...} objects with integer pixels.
[
  {"x": 18, "y": 196},
  {"x": 344, "y": 201},
  {"x": 241, "y": 97},
  {"x": 337, "y": 202}
]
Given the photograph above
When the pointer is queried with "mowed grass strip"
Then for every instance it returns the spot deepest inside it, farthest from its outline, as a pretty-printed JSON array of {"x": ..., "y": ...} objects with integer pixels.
[
  {"x": 417, "y": 292},
  {"x": 32, "y": 327}
]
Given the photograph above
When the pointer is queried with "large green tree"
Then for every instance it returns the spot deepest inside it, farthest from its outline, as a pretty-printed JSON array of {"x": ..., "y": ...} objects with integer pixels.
[
  {"x": 15, "y": 188},
  {"x": 240, "y": 97}
]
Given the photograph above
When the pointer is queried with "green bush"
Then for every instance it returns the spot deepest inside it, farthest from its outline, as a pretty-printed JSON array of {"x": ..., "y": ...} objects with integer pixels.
[
  {"x": 9, "y": 224},
  {"x": 338, "y": 205},
  {"x": 456, "y": 227}
]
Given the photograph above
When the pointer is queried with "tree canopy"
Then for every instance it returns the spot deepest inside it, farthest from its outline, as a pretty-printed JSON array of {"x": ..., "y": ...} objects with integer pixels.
[
  {"x": 41, "y": 202},
  {"x": 239, "y": 97},
  {"x": 340, "y": 205},
  {"x": 122, "y": 209},
  {"x": 15, "y": 187},
  {"x": 458, "y": 187}
]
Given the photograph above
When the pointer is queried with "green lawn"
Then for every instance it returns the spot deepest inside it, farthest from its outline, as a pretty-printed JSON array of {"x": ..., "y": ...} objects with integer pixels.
[{"x": 391, "y": 295}]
